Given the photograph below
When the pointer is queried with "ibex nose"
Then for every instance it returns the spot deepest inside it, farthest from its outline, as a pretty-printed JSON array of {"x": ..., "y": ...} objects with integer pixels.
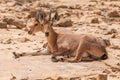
[
  {"x": 29, "y": 32},
  {"x": 47, "y": 34}
]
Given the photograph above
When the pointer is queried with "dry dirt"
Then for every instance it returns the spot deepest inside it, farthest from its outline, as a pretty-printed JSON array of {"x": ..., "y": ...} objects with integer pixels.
[{"x": 96, "y": 17}]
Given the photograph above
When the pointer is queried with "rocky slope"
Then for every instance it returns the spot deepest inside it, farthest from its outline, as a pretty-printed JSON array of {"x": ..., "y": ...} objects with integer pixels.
[{"x": 97, "y": 17}]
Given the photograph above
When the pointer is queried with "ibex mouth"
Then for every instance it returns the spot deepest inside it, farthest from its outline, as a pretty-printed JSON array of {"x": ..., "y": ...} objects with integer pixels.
[{"x": 46, "y": 34}]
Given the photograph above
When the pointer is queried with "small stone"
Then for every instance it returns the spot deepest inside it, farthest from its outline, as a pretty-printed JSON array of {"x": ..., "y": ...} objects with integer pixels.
[
  {"x": 114, "y": 14},
  {"x": 114, "y": 0},
  {"x": 95, "y": 20},
  {"x": 13, "y": 77},
  {"x": 60, "y": 78},
  {"x": 78, "y": 6},
  {"x": 93, "y": 0},
  {"x": 110, "y": 31},
  {"x": 49, "y": 78},
  {"x": 106, "y": 71},
  {"x": 23, "y": 40},
  {"x": 102, "y": 77},
  {"x": 3, "y": 24},
  {"x": 115, "y": 47},
  {"x": 24, "y": 78},
  {"x": 92, "y": 78},
  {"x": 118, "y": 64},
  {"x": 98, "y": 12},
  {"x": 113, "y": 35},
  {"x": 62, "y": 6},
  {"x": 74, "y": 29},
  {"x": 106, "y": 42},
  {"x": 75, "y": 78},
  {"x": 8, "y": 41}
]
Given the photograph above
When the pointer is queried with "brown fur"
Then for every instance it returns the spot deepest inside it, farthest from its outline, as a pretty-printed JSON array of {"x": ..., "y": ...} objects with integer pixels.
[{"x": 75, "y": 45}]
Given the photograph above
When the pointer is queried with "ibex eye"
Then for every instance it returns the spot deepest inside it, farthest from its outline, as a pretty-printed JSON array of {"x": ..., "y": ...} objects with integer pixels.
[{"x": 36, "y": 24}]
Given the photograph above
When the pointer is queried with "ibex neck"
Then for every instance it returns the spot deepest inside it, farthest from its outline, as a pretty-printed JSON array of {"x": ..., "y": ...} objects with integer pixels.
[
  {"x": 52, "y": 40},
  {"x": 52, "y": 34}
]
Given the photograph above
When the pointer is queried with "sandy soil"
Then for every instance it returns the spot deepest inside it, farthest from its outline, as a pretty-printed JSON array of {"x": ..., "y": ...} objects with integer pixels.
[{"x": 99, "y": 18}]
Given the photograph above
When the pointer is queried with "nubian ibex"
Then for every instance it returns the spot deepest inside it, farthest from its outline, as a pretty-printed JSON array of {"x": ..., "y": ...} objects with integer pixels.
[{"x": 77, "y": 46}]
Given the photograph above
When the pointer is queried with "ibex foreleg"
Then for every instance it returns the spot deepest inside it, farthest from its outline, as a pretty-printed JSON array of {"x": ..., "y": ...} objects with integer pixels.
[{"x": 55, "y": 54}]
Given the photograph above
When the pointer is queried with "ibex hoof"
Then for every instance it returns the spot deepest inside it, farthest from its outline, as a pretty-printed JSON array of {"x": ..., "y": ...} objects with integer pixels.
[
  {"x": 54, "y": 60},
  {"x": 15, "y": 55},
  {"x": 61, "y": 59}
]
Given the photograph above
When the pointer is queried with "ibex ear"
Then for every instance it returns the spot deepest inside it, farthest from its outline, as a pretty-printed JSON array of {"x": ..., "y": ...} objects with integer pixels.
[
  {"x": 50, "y": 15},
  {"x": 56, "y": 17}
]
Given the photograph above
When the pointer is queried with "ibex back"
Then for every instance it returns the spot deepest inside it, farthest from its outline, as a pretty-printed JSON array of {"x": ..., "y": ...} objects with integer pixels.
[{"x": 74, "y": 45}]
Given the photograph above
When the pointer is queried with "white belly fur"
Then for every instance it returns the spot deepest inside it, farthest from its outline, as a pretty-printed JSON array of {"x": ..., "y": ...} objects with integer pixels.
[{"x": 85, "y": 55}]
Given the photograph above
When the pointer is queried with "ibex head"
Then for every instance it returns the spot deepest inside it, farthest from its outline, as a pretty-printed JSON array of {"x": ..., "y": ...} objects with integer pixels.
[
  {"x": 38, "y": 22},
  {"x": 44, "y": 21},
  {"x": 52, "y": 17}
]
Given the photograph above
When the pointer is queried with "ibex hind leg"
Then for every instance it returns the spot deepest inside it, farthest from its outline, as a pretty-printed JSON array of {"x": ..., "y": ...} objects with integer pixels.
[
  {"x": 78, "y": 54},
  {"x": 92, "y": 57},
  {"x": 77, "y": 58},
  {"x": 103, "y": 57}
]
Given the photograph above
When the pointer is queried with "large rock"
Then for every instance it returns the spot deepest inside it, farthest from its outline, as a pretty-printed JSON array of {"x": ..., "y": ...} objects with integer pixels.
[
  {"x": 16, "y": 22},
  {"x": 3, "y": 24},
  {"x": 64, "y": 23}
]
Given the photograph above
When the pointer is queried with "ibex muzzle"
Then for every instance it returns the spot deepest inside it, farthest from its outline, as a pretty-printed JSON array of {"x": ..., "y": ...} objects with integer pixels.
[
  {"x": 46, "y": 34},
  {"x": 29, "y": 32}
]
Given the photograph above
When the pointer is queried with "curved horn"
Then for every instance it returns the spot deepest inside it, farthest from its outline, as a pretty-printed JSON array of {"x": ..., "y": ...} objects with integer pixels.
[
  {"x": 50, "y": 15},
  {"x": 56, "y": 16},
  {"x": 40, "y": 15},
  {"x": 37, "y": 16}
]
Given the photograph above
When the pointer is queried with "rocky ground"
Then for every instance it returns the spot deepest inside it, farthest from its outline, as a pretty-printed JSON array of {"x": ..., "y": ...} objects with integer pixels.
[{"x": 97, "y": 17}]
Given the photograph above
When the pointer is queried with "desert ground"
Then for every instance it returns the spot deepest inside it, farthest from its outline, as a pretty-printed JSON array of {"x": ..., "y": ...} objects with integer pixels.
[{"x": 97, "y": 17}]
